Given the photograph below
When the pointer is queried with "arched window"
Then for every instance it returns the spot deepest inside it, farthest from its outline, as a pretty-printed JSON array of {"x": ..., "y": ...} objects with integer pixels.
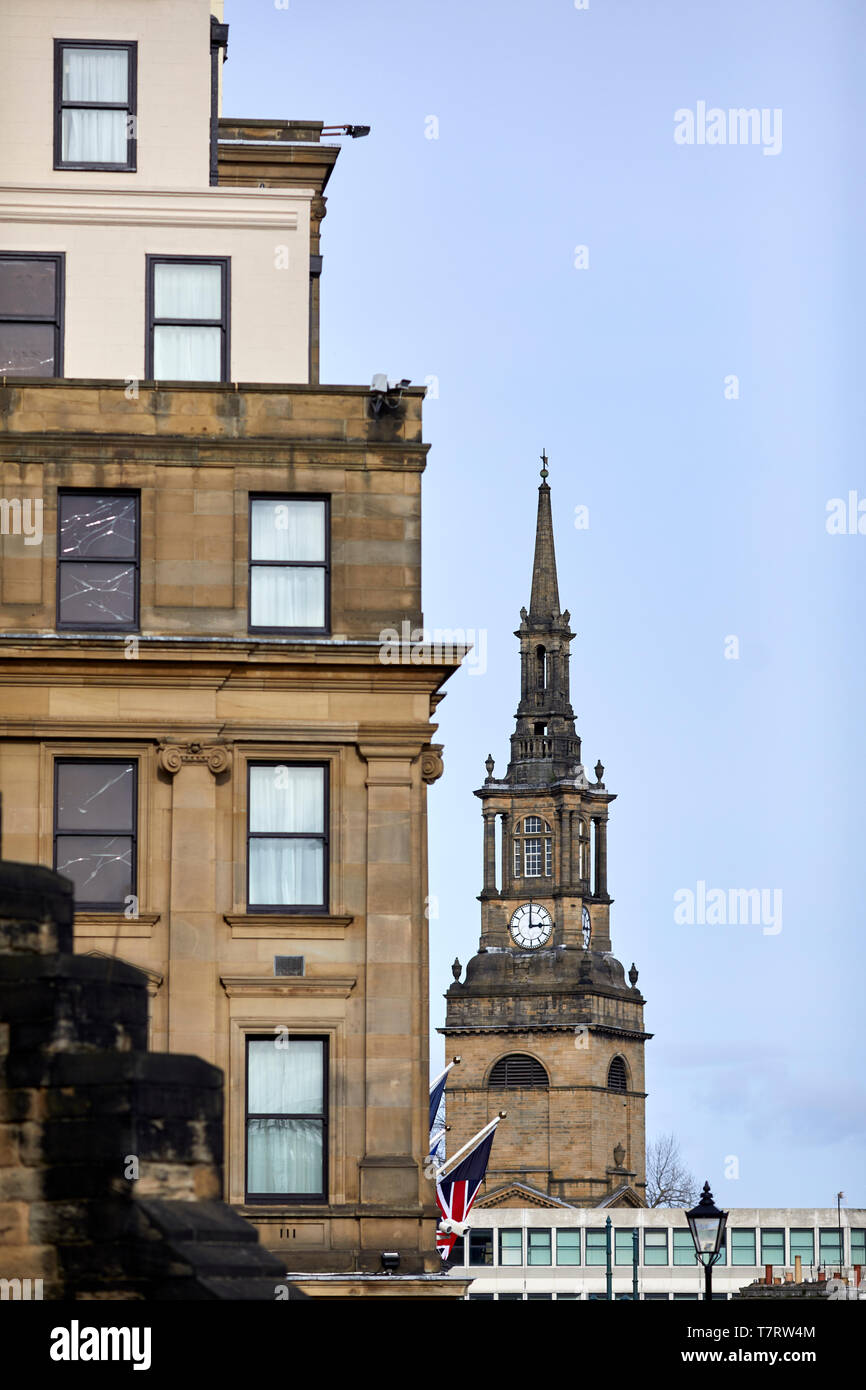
[
  {"x": 517, "y": 1070},
  {"x": 617, "y": 1076},
  {"x": 541, "y": 668},
  {"x": 533, "y": 848}
]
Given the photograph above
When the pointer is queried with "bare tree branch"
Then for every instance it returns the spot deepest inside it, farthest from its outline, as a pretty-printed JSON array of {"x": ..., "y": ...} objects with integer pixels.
[{"x": 668, "y": 1181}]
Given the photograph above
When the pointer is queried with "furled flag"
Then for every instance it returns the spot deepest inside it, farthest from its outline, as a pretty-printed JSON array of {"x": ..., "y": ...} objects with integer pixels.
[
  {"x": 457, "y": 1190},
  {"x": 437, "y": 1091}
]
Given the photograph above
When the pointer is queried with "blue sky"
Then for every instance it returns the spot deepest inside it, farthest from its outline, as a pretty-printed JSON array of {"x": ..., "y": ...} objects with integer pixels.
[{"x": 454, "y": 258}]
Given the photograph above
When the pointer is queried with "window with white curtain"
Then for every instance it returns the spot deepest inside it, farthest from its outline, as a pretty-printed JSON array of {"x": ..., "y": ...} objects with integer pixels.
[
  {"x": 94, "y": 104},
  {"x": 286, "y": 1117},
  {"x": 188, "y": 318},
  {"x": 289, "y": 564},
  {"x": 287, "y": 837}
]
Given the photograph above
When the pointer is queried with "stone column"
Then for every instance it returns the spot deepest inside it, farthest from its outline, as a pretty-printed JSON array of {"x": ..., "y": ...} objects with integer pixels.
[
  {"x": 600, "y": 858},
  {"x": 507, "y": 853},
  {"x": 565, "y": 847},
  {"x": 489, "y": 852}
]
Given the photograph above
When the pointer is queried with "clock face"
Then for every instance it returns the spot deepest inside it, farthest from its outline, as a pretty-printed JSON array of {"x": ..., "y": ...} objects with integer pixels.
[
  {"x": 587, "y": 928},
  {"x": 531, "y": 926}
]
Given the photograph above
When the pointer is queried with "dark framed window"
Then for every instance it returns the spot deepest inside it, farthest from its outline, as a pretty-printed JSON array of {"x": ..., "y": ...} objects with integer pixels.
[
  {"x": 290, "y": 569},
  {"x": 742, "y": 1244},
  {"x": 617, "y": 1076},
  {"x": 596, "y": 1249},
  {"x": 802, "y": 1243},
  {"x": 538, "y": 1246},
  {"x": 287, "y": 837},
  {"x": 623, "y": 1245},
  {"x": 772, "y": 1247},
  {"x": 31, "y": 313},
  {"x": 97, "y": 560},
  {"x": 480, "y": 1242},
  {"x": 684, "y": 1247},
  {"x": 568, "y": 1245},
  {"x": 95, "y": 84},
  {"x": 511, "y": 1246},
  {"x": 287, "y": 1118},
  {"x": 655, "y": 1247},
  {"x": 187, "y": 302},
  {"x": 830, "y": 1250},
  {"x": 517, "y": 1069},
  {"x": 95, "y": 829}
]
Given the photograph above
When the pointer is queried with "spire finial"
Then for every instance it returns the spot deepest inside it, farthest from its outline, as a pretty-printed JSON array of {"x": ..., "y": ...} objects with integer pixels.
[{"x": 543, "y": 466}]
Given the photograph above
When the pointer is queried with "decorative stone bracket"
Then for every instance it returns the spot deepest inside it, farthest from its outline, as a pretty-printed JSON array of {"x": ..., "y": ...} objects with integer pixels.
[
  {"x": 432, "y": 764},
  {"x": 172, "y": 756}
]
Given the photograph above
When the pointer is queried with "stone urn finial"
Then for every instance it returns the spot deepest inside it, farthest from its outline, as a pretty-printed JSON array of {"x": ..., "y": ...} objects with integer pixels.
[
  {"x": 618, "y": 1155},
  {"x": 456, "y": 968},
  {"x": 489, "y": 764},
  {"x": 632, "y": 975},
  {"x": 599, "y": 772}
]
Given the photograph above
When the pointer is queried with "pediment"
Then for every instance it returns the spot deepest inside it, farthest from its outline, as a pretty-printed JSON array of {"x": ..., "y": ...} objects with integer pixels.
[
  {"x": 518, "y": 1194},
  {"x": 624, "y": 1196}
]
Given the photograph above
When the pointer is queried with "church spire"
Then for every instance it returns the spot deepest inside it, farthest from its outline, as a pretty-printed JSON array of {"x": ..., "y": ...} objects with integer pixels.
[{"x": 544, "y": 601}]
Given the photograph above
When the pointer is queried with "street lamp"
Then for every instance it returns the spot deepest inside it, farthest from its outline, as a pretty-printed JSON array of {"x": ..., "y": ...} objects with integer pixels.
[{"x": 707, "y": 1225}]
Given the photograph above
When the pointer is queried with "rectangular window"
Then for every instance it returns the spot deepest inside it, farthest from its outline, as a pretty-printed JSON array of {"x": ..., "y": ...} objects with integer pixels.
[
  {"x": 538, "y": 1297},
  {"x": 287, "y": 850},
  {"x": 623, "y": 1245},
  {"x": 532, "y": 858},
  {"x": 95, "y": 830},
  {"x": 829, "y": 1252},
  {"x": 655, "y": 1297},
  {"x": 858, "y": 1247},
  {"x": 655, "y": 1247},
  {"x": 481, "y": 1246},
  {"x": 772, "y": 1247},
  {"x": 31, "y": 314},
  {"x": 187, "y": 299},
  {"x": 742, "y": 1244},
  {"x": 287, "y": 1118},
  {"x": 548, "y": 857},
  {"x": 802, "y": 1243},
  {"x": 289, "y": 564},
  {"x": 685, "y": 1297},
  {"x": 517, "y": 873},
  {"x": 596, "y": 1248},
  {"x": 511, "y": 1247},
  {"x": 94, "y": 104},
  {"x": 684, "y": 1248},
  {"x": 567, "y": 1247},
  {"x": 97, "y": 560},
  {"x": 538, "y": 1249}
]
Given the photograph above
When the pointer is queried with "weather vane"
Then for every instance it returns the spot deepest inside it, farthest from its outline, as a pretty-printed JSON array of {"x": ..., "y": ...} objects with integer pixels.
[{"x": 543, "y": 464}]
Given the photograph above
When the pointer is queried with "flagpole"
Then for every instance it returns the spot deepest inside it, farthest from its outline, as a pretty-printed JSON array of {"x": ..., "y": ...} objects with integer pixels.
[
  {"x": 476, "y": 1139},
  {"x": 437, "y": 1079}
]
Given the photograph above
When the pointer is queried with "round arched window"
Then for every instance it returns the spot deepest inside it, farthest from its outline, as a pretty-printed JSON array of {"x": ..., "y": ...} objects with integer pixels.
[
  {"x": 518, "y": 1070},
  {"x": 617, "y": 1076}
]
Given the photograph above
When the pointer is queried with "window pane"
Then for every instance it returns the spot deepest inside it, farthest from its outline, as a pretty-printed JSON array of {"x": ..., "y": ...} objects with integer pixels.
[
  {"x": 286, "y": 1076},
  {"x": 684, "y": 1248},
  {"x": 532, "y": 858},
  {"x": 286, "y": 597},
  {"x": 28, "y": 287},
  {"x": 97, "y": 527},
  {"x": 287, "y": 799},
  {"x": 100, "y": 866},
  {"x": 284, "y": 1156},
  {"x": 93, "y": 137},
  {"x": 26, "y": 349},
  {"x": 286, "y": 873},
  {"x": 568, "y": 1248},
  {"x": 95, "y": 796},
  {"x": 742, "y": 1245},
  {"x": 511, "y": 1247},
  {"x": 95, "y": 74},
  {"x": 655, "y": 1247},
  {"x": 803, "y": 1244},
  {"x": 100, "y": 594},
  {"x": 623, "y": 1246},
  {"x": 858, "y": 1247},
  {"x": 829, "y": 1246},
  {"x": 187, "y": 354},
  {"x": 187, "y": 291},
  {"x": 596, "y": 1248},
  {"x": 538, "y": 1247},
  {"x": 481, "y": 1247},
  {"x": 532, "y": 825},
  {"x": 772, "y": 1247},
  {"x": 286, "y": 529}
]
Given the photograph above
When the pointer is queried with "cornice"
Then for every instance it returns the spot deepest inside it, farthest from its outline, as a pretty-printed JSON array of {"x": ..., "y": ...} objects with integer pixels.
[
  {"x": 288, "y": 986},
  {"x": 250, "y": 926},
  {"x": 222, "y": 207}
]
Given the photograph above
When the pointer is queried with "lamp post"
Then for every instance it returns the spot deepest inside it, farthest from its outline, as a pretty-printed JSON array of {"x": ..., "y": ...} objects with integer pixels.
[{"x": 707, "y": 1225}]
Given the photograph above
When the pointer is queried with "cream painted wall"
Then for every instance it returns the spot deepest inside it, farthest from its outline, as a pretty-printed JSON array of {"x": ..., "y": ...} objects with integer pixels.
[
  {"x": 173, "y": 88},
  {"x": 106, "y": 236}
]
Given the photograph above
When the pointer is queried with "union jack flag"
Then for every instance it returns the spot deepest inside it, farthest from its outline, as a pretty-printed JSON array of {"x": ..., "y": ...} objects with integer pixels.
[{"x": 456, "y": 1192}]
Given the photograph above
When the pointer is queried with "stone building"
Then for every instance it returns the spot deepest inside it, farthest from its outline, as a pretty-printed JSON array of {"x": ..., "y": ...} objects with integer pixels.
[
  {"x": 547, "y": 1025},
  {"x": 201, "y": 547}
]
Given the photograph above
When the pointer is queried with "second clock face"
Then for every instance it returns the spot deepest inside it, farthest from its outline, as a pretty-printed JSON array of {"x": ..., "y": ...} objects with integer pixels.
[{"x": 531, "y": 926}]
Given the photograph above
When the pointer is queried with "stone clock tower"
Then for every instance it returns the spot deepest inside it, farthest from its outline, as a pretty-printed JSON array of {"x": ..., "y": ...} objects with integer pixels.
[{"x": 546, "y": 1023}]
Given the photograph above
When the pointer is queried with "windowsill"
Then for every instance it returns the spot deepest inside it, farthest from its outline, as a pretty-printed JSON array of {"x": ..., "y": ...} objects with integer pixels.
[
  {"x": 281, "y": 986},
  {"x": 114, "y": 924},
  {"x": 288, "y": 925}
]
